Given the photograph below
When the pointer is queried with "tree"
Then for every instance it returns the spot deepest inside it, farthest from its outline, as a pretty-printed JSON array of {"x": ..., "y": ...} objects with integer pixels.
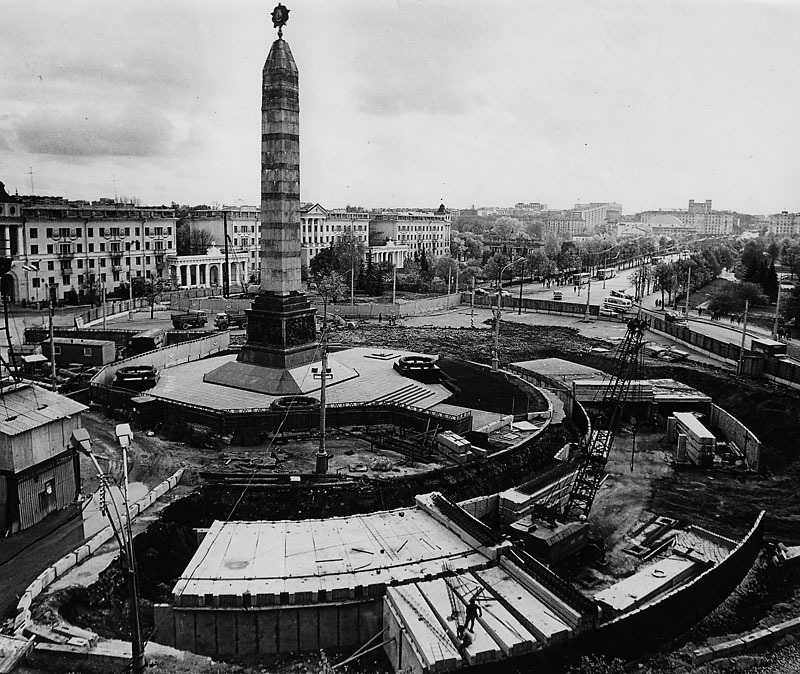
[
  {"x": 769, "y": 282},
  {"x": 330, "y": 286},
  {"x": 200, "y": 239},
  {"x": 792, "y": 312},
  {"x": 424, "y": 267},
  {"x": 539, "y": 264},
  {"x": 506, "y": 228},
  {"x": 663, "y": 276},
  {"x": 151, "y": 288},
  {"x": 729, "y": 297},
  {"x": 446, "y": 268}
]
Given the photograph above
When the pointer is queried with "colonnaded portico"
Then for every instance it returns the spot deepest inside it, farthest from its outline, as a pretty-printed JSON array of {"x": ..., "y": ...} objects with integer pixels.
[{"x": 207, "y": 270}]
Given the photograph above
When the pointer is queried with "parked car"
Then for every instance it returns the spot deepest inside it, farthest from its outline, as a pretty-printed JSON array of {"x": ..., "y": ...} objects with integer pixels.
[
  {"x": 558, "y": 295},
  {"x": 675, "y": 317}
]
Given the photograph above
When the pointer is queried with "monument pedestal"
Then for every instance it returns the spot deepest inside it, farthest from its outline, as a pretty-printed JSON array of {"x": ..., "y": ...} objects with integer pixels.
[{"x": 281, "y": 336}]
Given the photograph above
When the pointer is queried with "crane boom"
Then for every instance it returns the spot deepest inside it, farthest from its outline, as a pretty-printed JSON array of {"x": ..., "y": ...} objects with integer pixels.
[{"x": 592, "y": 469}]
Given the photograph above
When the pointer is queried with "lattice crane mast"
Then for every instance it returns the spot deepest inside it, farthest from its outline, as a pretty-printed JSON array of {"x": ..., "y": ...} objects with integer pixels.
[{"x": 627, "y": 363}]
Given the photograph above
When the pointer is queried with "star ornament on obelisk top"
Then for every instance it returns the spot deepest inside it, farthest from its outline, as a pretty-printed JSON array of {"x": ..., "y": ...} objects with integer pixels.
[{"x": 280, "y": 15}]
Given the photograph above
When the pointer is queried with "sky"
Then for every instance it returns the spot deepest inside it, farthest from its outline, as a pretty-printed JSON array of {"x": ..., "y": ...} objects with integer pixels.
[{"x": 409, "y": 103}]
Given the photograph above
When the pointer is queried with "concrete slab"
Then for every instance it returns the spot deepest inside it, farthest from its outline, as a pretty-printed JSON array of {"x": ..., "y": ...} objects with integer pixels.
[{"x": 358, "y": 377}]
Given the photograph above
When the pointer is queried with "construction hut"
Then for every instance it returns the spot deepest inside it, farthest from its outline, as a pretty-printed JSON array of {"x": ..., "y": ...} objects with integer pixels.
[
  {"x": 81, "y": 351},
  {"x": 39, "y": 473}
]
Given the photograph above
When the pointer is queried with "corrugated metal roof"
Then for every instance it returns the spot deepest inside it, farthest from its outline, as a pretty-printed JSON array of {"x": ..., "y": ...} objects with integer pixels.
[
  {"x": 25, "y": 406},
  {"x": 81, "y": 342}
]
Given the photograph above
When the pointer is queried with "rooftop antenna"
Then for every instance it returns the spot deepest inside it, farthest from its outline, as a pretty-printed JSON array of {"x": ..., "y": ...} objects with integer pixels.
[{"x": 30, "y": 173}]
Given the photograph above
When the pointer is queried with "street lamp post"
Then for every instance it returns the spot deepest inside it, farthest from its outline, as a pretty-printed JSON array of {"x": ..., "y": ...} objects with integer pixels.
[
  {"x": 497, "y": 313},
  {"x": 81, "y": 442}
]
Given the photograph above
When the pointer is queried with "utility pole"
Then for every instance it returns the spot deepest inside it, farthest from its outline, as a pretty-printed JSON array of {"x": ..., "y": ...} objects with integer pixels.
[
  {"x": 744, "y": 334},
  {"x": 103, "y": 300},
  {"x": 323, "y": 375},
  {"x": 226, "y": 283},
  {"x": 689, "y": 288},
  {"x": 588, "y": 295},
  {"x": 777, "y": 313},
  {"x": 521, "y": 283},
  {"x": 130, "y": 290},
  {"x": 52, "y": 339},
  {"x": 394, "y": 285}
]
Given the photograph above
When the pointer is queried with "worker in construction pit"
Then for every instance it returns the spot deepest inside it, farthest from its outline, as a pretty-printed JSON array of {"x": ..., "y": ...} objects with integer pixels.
[{"x": 473, "y": 611}]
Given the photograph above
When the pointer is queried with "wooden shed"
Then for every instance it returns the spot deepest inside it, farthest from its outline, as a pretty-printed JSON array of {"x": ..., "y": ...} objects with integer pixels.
[
  {"x": 39, "y": 473},
  {"x": 83, "y": 351}
]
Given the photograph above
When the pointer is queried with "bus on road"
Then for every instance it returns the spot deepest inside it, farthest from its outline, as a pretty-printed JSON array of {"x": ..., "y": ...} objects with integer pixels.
[
  {"x": 608, "y": 272},
  {"x": 580, "y": 279}
]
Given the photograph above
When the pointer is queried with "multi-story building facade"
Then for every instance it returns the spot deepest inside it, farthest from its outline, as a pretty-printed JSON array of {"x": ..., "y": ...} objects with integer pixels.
[
  {"x": 700, "y": 216},
  {"x": 59, "y": 246},
  {"x": 418, "y": 230},
  {"x": 389, "y": 236},
  {"x": 206, "y": 267},
  {"x": 784, "y": 223},
  {"x": 566, "y": 224},
  {"x": 320, "y": 227},
  {"x": 597, "y": 214}
]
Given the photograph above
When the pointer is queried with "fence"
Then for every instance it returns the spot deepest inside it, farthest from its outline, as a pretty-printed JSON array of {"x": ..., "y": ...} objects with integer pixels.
[
  {"x": 735, "y": 431},
  {"x": 167, "y": 357},
  {"x": 532, "y": 304},
  {"x": 783, "y": 371},
  {"x": 402, "y": 308}
]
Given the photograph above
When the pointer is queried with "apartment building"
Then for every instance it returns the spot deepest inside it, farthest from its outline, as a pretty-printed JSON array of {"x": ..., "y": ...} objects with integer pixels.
[
  {"x": 319, "y": 227},
  {"x": 597, "y": 214},
  {"x": 700, "y": 216},
  {"x": 390, "y": 236},
  {"x": 784, "y": 223},
  {"x": 59, "y": 246}
]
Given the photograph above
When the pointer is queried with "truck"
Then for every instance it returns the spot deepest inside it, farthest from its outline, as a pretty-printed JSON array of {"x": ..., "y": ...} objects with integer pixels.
[
  {"x": 230, "y": 319},
  {"x": 194, "y": 318}
]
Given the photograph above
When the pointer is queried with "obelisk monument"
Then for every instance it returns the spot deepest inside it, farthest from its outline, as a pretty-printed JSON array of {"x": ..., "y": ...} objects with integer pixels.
[{"x": 281, "y": 330}]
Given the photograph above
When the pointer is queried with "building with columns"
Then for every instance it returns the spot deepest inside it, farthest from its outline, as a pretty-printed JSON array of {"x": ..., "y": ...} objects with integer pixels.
[
  {"x": 242, "y": 229},
  {"x": 390, "y": 236},
  {"x": 58, "y": 246},
  {"x": 207, "y": 270}
]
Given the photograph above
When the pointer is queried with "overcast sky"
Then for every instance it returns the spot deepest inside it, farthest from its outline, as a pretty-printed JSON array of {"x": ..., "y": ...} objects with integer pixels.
[{"x": 409, "y": 103}]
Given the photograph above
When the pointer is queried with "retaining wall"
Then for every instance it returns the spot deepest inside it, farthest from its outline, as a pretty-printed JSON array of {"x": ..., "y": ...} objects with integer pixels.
[
  {"x": 63, "y": 565},
  {"x": 267, "y": 631},
  {"x": 735, "y": 431},
  {"x": 640, "y": 631}
]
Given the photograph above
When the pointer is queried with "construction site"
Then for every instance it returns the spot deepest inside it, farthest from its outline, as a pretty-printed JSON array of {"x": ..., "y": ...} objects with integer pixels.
[{"x": 415, "y": 500}]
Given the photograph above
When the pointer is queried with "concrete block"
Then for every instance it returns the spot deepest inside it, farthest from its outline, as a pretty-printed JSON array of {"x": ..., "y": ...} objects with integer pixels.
[
  {"x": 82, "y": 553},
  {"x": 226, "y": 632},
  {"x": 731, "y": 647},
  {"x": 246, "y": 636},
  {"x": 185, "y": 637},
  {"x": 205, "y": 629},
  {"x": 328, "y": 626},
  {"x": 48, "y": 576},
  {"x": 287, "y": 630},
  {"x": 267, "y": 623},
  {"x": 308, "y": 628},
  {"x": 64, "y": 564},
  {"x": 25, "y": 600}
]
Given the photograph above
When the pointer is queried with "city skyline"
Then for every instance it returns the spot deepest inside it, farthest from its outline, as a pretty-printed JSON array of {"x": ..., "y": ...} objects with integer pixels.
[{"x": 408, "y": 103}]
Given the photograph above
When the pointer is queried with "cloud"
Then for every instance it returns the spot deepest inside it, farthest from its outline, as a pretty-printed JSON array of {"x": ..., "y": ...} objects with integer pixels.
[{"x": 84, "y": 132}]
